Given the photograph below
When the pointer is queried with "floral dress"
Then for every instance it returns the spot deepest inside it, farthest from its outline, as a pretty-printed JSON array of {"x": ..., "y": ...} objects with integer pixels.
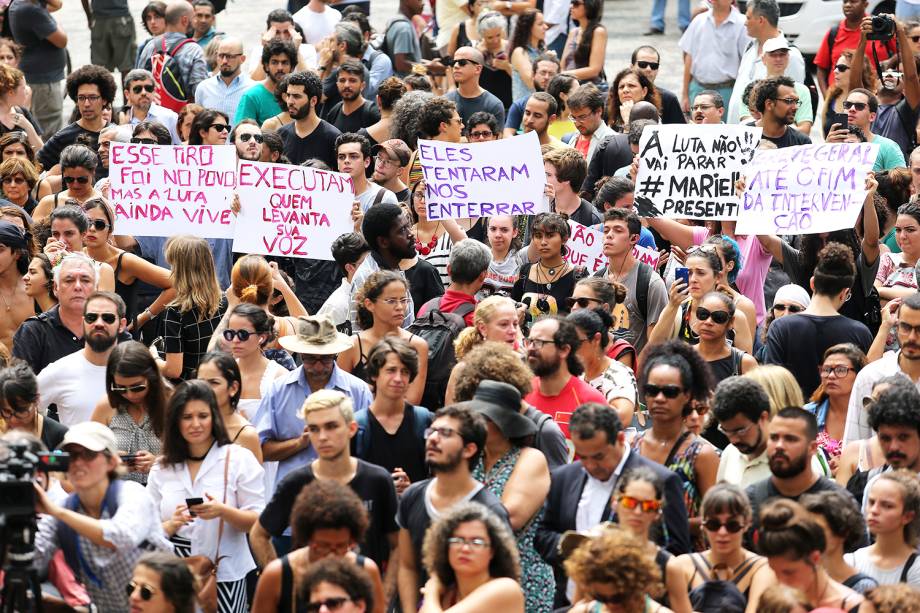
[{"x": 536, "y": 576}]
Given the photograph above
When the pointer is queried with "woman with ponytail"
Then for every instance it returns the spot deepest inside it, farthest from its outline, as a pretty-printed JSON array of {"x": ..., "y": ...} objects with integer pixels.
[{"x": 601, "y": 292}]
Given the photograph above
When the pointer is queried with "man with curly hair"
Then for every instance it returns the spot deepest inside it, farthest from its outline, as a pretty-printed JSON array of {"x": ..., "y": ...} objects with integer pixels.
[
  {"x": 439, "y": 120},
  {"x": 92, "y": 88}
]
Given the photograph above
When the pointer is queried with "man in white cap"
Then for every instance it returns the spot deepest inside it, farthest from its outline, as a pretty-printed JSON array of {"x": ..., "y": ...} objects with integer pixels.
[{"x": 105, "y": 525}]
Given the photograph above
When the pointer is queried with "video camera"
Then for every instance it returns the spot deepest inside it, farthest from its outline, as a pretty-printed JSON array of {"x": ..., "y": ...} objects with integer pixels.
[
  {"x": 17, "y": 473},
  {"x": 883, "y": 28}
]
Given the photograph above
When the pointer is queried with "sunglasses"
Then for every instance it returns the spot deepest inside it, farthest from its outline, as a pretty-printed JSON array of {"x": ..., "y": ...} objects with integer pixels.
[
  {"x": 243, "y": 335},
  {"x": 644, "y": 65},
  {"x": 915, "y": 39},
  {"x": 147, "y": 592},
  {"x": 714, "y": 525},
  {"x": 583, "y": 302},
  {"x": 142, "y": 88},
  {"x": 220, "y": 127},
  {"x": 462, "y": 62},
  {"x": 245, "y": 138},
  {"x": 82, "y": 453},
  {"x": 99, "y": 225},
  {"x": 669, "y": 391},
  {"x": 859, "y": 106},
  {"x": 718, "y": 317},
  {"x": 841, "y": 68},
  {"x": 108, "y": 318},
  {"x": 80, "y": 180},
  {"x": 143, "y": 141},
  {"x": 483, "y": 134},
  {"x": 134, "y": 389},
  {"x": 792, "y": 308},
  {"x": 647, "y": 506},
  {"x": 615, "y": 599},
  {"x": 332, "y": 604},
  {"x": 13, "y": 180}
]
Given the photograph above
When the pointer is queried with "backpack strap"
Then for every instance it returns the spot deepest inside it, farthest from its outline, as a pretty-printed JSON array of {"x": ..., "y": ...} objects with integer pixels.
[
  {"x": 831, "y": 40},
  {"x": 465, "y": 309},
  {"x": 904, "y": 115},
  {"x": 907, "y": 567},
  {"x": 737, "y": 357},
  {"x": 176, "y": 46},
  {"x": 423, "y": 419},
  {"x": 643, "y": 279},
  {"x": 434, "y": 303},
  {"x": 699, "y": 567},
  {"x": 362, "y": 437},
  {"x": 379, "y": 197}
]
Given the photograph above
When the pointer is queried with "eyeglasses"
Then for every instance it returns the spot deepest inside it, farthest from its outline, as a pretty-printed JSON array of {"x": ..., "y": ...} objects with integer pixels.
[
  {"x": 644, "y": 65},
  {"x": 462, "y": 62},
  {"x": 243, "y": 335},
  {"x": 718, "y": 317},
  {"x": 443, "y": 432},
  {"x": 737, "y": 432},
  {"x": 245, "y": 138},
  {"x": 82, "y": 99},
  {"x": 80, "y": 180},
  {"x": 583, "y": 302},
  {"x": 142, "y": 88},
  {"x": 133, "y": 389},
  {"x": 82, "y": 453},
  {"x": 670, "y": 391},
  {"x": 99, "y": 225},
  {"x": 906, "y": 329},
  {"x": 418, "y": 194},
  {"x": 538, "y": 343},
  {"x": 488, "y": 133},
  {"x": 839, "y": 371},
  {"x": 395, "y": 301},
  {"x": 143, "y": 141},
  {"x": 790, "y": 101},
  {"x": 228, "y": 56},
  {"x": 714, "y": 525},
  {"x": 859, "y": 106},
  {"x": 841, "y": 68},
  {"x": 220, "y": 127},
  {"x": 8, "y": 413},
  {"x": 382, "y": 161},
  {"x": 331, "y": 604},
  {"x": 702, "y": 107},
  {"x": 147, "y": 592},
  {"x": 108, "y": 318},
  {"x": 474, "y": 543},
  {"x": 615, "y": 599},
  {"x": 14, "y": 180},
  {"x": 647, "y": 506},
  {"x": 318, "y": 359},
  {"x": 792, "y": 308}
]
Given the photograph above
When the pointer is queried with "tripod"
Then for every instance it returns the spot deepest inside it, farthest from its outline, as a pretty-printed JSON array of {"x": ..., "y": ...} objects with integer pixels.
[{"x": 22, "y": 590}]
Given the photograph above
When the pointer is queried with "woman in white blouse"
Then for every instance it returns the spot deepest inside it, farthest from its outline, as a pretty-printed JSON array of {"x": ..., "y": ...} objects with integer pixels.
[{"x": 202, "y": 483}]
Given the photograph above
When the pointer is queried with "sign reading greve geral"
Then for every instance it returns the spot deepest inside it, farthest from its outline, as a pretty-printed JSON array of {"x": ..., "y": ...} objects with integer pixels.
[
  {"x": 805, "y": 189},
  {"x": 291, "y": 210},
  {"x": 164, "y": 190},
  {"x": 689, "y": 171},
  {"x": 585, "y": 247},
  {"x": 469, "y": 180}
]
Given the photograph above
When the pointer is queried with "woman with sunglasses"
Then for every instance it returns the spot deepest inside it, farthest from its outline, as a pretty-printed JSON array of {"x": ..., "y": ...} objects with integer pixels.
[
  {"x": 184, "y": 121},
  {"x": 611, "y": 378},
  {"x": 716, "y": 316},
  {"x": 161, "y": 583},
  {"x": 600, "y": 292},
  {"x": 673, "y": 376},
  {"x": 788, "y": 300},
  {"x": 382, "y": 305},
  {"x": 838, "y": 92},
  {"x": 221, "y": 372},
  {"x": 128, "y": 268},
  {"x": 39, "y": 283},
  {"x": 433, "y": 239},
  {"x": 151, "y": 133},
  {"x": 472, "y": 562},
  {"x": 134, "y": 406},
  {"x": 78, "y": 171},
  {"x": 209, "y": 127},
  {"x": 17, "y": 179},
  {"x": 69, "y": 228},
  {"x": 793, "y": 542},
  {"x": 839, "y": 367},
  {"x": 726, "y": 516},
  {"x": 207, "y": 491},
  {"x": 19, "y": 406}
]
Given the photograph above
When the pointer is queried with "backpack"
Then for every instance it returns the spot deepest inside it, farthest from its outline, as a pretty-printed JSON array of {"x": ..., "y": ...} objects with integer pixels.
[
  {"x": 439, "y": 329},
  {"x": 382, "y": 45},
  {"x": 718, "y": 595},
  {"x": 167, "y": 74},
  {"x": 362, "y": 439},
  {"x": 643, "y": 277}
]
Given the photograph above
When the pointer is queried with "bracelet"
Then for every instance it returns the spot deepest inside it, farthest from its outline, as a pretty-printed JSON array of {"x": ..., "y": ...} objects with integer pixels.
[{"x": 148, "y": 311}]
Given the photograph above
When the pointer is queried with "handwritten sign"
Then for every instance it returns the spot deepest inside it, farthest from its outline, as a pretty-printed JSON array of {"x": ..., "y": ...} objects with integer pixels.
[
  {"x": 164, "y": 190},
  {"x": 689, "y": 171},
  {"x": 585, "y": 247},
  {"x": 805, "y": 189},
  {"x": 291, "y": 210},
  {"x": 469, "y": 180},
  {"x": 646, "y": 255}
]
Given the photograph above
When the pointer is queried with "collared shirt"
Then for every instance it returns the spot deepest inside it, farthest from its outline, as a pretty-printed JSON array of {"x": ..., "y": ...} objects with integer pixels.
[
  {"x": 192, "y": 65},
  {"x": 381, "y": 67},
  {"x": 338, "y": 303},
  {"x": 736, "y": 468},
  {"x": 370, "y": 265},
  {"x": 715, "y": 51},
  {"x": 752, "y": 68},
  {"x": 215, "y": 93},
  {"x": 165, "y": 116},
  {"x": 602, "y": 132},
  {"x": 857, "y": 417},
  {"x": 278, "y": 416}
]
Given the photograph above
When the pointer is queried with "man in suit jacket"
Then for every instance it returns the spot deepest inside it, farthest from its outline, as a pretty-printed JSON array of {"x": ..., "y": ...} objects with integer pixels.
[{"x": 580, "y": 495}]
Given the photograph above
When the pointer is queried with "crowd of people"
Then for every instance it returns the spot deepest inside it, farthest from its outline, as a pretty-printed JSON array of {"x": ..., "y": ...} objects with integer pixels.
[{"x": 448, "y": 415}]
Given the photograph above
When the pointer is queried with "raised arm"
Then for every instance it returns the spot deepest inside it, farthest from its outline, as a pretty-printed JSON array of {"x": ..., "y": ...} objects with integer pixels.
[
  {"x": 871, "y": 231},
  {"x": 673, "y": 232}
]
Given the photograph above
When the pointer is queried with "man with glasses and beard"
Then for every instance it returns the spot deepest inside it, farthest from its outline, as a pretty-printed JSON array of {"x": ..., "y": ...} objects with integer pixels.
[
  {"x": 247, "y": 138},
  {"x": 279, "y": 57},
  {"x": 307, "y": 136},
  {"x": 791, "y": 447},
  {"x": 76, "y": 382},
  {"x": 223, "y": 91},
  {"x": 139, "y": 88},
  {"x": 453, "y": 444}
]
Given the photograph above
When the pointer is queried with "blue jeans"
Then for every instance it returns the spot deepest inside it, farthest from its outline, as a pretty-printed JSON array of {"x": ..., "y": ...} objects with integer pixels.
[
  {"x": 683, "y": 14},
  {"x": 905, "y": 10}
]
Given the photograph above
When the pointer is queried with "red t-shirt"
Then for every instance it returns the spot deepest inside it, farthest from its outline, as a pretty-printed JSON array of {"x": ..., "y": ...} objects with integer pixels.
[
  {"x": 575, "y": 393},
  {"x": 847, "y": 39},
  {"x": 451, "y": 300}
]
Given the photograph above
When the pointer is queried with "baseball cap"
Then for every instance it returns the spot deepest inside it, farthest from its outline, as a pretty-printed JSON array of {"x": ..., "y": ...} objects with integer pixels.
[
  {"x": 775, "y": 44},
  {"x": 91, "y": 435},
  {"x": 395, "y": 148}
]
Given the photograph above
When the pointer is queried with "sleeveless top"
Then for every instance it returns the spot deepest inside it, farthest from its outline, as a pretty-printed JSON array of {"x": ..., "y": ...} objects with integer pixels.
[
  {"x": 133, "y": 437},
  {"x": 518, "y": 88},
  {"x": 360, "y": 369},
  {"x": 728, "y": 366},
  {"x": 738, "y": 573},
  {"x": 127, "y": 291},
  {"x": 287, "y": 603},
  {"x": 462, "y": 39}
]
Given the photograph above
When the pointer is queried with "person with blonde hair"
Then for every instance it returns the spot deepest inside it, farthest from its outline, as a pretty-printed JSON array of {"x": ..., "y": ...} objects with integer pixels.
[
  {"x": 781, "y": 387},
  {"x": 18, "y": 178},
  {"x": 14, "y": 106},
  {"x": 898, "y": 598},
  {"x": 779, "y": 598},
  {"x": 193, "y": 315}
]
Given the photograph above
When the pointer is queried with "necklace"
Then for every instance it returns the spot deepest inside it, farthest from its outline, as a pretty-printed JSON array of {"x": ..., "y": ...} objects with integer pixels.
[
  {"x": 202, "y": 457},
  {"x": 6, "y": 302},
  {"x": 550, "y": 275},
  {"x": 426, "y": 248}
]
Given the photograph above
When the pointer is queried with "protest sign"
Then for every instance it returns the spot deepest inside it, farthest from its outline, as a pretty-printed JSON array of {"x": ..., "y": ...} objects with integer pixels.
[
  {"x": 164, "y": 190},
  {"x": 805, "y": 189},
  {"x": 585, "y": 247},
  {"x": 646, "y": 255},
  {"x": 468, "y": 180},
  {"x": 291, "y": 211},
  {"x": 689, "y": 171}
]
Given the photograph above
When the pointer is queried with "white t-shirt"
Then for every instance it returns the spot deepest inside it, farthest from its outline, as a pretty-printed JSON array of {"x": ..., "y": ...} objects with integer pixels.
[
  {"x": 74, "y": 385},
  {"x": 367, "y": 197},
  {"x": 317, "y": 26}
]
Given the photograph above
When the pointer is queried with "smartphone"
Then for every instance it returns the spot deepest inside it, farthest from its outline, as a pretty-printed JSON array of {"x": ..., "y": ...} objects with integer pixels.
[
  {"x": 842, "y": 119},
  {"x": 128, "y": 458},
  {"x": 682, "y": 273},
  {"x": 191, "y": 502}
]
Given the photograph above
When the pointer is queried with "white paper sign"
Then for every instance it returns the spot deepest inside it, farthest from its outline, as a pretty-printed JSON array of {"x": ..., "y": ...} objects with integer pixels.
[
  {"x": 291, "y": 211},
  {"x": 689, "y": 171},
  {"x": 647, "y": 255},
  {"x": 164, "y": 190},
  {"x": 585, "y": 247},
  {"x": 805, "y": 189},
  {"x": 470, "y": 180}
]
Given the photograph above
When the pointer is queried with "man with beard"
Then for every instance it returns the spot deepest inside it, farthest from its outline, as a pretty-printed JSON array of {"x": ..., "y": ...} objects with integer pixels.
[
  {"x": 777, "y": 102},
  {"x": 742, "y": 408},
  {"x": 791, "y": 447},
  {"x": 247, "y": 138},
  {"x": 586, "y": 107},
  {"x": 352, "y": 112},
  {"x": 545, "y": 66},
  {"x": 390, "y": 157},
  {"x": 330, "y": 426},
  {"x": 307, "y": 136},
  {"x": 453, "y": 444},
  {"x": 895, "y": 416},
  {"x": 139, "y": 88},
  {"x": 557, "y": 387},
  {"x": 76, "y": 382},
  {"x": 905, "y": 361},
  {"x": 223, "y": 91},
  {"x": 279, "y": 57},
  {"x": 539, "y": 113}
]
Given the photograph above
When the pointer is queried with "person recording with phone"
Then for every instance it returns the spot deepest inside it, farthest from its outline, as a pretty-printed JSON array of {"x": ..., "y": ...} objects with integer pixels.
[{"x": 862, "y": 108}]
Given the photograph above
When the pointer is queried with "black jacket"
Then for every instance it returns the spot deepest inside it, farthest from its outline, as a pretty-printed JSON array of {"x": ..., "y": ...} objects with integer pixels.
[{"x": 611, "y": 154}]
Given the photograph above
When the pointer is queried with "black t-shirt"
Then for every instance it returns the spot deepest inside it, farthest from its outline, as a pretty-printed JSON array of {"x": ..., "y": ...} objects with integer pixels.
[
  {"x": 50, "y": 154},
  {"x": 798, "y": 342},
  {"x": 670, "y": 107},
  {"x": 25, "y": 113},
  {"x": 372, "y": 484},
  {"x": 403, "y": 195},
  {"x": 319, "y": 144},
  {"x": 403, "y": 449},
  {"x": 548, "y": 300},
  {"x": 52, "y": 432},
  {"x": 791, "y": 138},
  {"x": 365, "y": 116},
  {"x": 424, "y": 282}
]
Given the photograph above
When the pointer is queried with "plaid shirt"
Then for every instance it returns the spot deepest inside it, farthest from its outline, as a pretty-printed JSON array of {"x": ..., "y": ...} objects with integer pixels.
[{"x": 193, "y": 67}]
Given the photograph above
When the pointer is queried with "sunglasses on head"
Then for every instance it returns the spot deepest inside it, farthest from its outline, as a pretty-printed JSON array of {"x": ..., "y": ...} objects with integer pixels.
[
  {"x": 245, "y": 138},
  {"x": 718, "y": 317},
  {"x": 647, "y": 506},
  {"x": 714, "y": 525},
  {"x": 98, "y": 224},
  {"x": 143, "y": 141},
  {"x": 142, "y": 88},
  {"x": 332, "y": 604},
  {"x": 462, "y": 62},
  {"x": 147, "y": 592},
  {"x": 108, "y": 318},
  {"x": 643, "y": 65},
  {"x": 669, "y": 391},
  {"x": 134, "y": 389},
  {"x": 582, "y": 302},
  {"x": 80, "y": 180},
  {"x": 792, "y": 308},
  {"x": 243, "y": 335},
  {"x": 859, "y": 106}
]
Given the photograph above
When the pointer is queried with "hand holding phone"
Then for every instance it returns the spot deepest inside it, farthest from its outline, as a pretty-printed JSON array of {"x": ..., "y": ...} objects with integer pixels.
[
  {"x": 192, "y": 502},
  {"x": 682, "y": 274}
]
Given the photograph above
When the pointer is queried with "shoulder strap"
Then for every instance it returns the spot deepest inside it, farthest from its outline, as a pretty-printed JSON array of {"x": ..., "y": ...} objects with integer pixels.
[
  {"x": 703, "y": 571},
  {"x": 379, "y": 197},
  {"x": 737, "y": 357},
  {"x": 363, "y": 435},
  {"x": 904, "y": 115},
  {"x": 220, "y": 528},
  {"x": 465, "y": 309},
  {"x": 907, "y": 566},
  {"x": 831, "y": 39},
  {"x": 744, "y": 569},
  {"x": 680, "y": 441},
  {"x": 422, "y": 421},
  {"x": 174, "y": 48},
  {"x": 643, "y": 279}
]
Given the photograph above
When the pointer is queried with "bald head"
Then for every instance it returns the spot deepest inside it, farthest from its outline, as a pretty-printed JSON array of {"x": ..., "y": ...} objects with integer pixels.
[
  {"x": 470, "y": 53},
  {"x": 230, "y": 44},
  {"x": 467, "y": 67},
  {"x": 644, "y": 110},
  {"x": 230, "y": 57},
  {"x": 176, "y": 10}
]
